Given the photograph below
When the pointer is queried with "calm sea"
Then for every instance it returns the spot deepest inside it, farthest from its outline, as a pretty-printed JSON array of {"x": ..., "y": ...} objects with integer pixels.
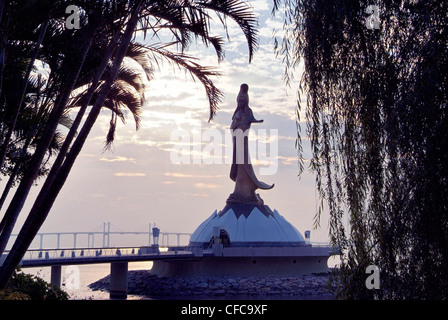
[{"x": 86, "y": 275}]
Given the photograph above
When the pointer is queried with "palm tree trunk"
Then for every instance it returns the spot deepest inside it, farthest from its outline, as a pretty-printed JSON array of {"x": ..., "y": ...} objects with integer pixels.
[
  {"x": 26, "y": 183},
  {"x": 40, "y": 209},
  {"x": 11, "y": 181},
  {"x": 4, "y": 147},
  {"x": 2, "y": 5},
  {"x": 75, "y": 125},
  {"x": 71, "y": 134},
  {"x": 5, "y": 192},
  {"x": 3, "y": 41}
]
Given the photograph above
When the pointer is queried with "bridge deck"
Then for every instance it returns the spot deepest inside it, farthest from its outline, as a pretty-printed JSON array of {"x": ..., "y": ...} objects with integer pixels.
[
  {"x": 41, "y": 258},
  {"x": 51, "y": 257}
]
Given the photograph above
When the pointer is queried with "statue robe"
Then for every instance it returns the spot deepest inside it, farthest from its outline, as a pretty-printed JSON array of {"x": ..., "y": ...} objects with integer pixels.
[{"x": 242, "y": 171}]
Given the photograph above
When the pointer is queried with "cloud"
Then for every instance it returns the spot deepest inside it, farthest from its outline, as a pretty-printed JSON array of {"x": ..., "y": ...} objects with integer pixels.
[
  {"x": 117, "y": 159},
  {"x": 178, "y": 175},
  {"x": 129, "y": 174},
  {"x": 288, "y": 160},
  {"x": 201, "y": 185},
  {"x": 196, "y": 176},
  {"x": 259, "y": 5},
  {"x": 183, "y": 194}
]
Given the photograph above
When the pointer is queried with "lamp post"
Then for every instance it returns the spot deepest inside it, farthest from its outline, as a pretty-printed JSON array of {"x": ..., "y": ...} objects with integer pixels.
[
  {"x": 155, "y": 237},
  {"x": 307, "y": 236}
]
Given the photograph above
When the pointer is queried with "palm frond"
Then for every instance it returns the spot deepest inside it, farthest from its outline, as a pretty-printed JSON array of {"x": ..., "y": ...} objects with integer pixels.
[
  {"x": 198, "y": 72},
  {"x": 110, "y": 137},
  {"x": 127, "y": 97},
  {"x": 133, "y": 78},
  {"x": 122, "y": 95},
  {"x": 65, "y": 119},
  {"x": 140, "y": 55},
  {"x": 239, "y": 11},
  {"x": 186, "y": 20}
]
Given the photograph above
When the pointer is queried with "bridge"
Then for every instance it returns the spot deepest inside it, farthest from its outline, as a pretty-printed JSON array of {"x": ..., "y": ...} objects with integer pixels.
[
  {"x": 104, "y": 232},
  {"x": 118, "y": 257}
]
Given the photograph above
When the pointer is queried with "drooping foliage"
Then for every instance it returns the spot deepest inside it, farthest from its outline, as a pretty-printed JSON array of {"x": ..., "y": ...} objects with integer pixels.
[{"x": 376, "y": 114}]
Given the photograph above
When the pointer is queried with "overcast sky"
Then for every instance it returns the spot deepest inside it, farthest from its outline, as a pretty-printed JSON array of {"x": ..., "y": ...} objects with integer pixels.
[{"x": 137, "y": 183}]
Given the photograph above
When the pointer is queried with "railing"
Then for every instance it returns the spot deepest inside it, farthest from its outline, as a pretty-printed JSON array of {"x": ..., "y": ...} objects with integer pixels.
[
  {"x": 100, "y": 255},
  {"x": 320, "y": 244},
  {"x": 105, "y": 255},
  {"x": 90, "y": 237},
  {"x": 79, "y": 253},
  {"x": 73, "y": 253}
]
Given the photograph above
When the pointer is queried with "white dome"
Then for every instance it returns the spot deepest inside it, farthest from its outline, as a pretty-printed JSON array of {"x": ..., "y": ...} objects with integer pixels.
[{"x": 248, "y": 225}]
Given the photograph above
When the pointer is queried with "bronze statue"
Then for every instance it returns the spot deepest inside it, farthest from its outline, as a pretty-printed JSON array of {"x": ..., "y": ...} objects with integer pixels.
[{"x": 242, "y": 171}]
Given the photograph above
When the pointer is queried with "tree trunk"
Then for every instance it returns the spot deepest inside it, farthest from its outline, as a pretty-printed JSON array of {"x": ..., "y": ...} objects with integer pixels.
[
  {"x": 5, "y": 193},
  {"x": 4, "y": 148},
  {"x": 74, "y": 128},
  {"x": 41, "y": 209},
  {"x": 71, "y": 134},
  {"x": 10, "y": 183},
  {"x": 3, "y": 41},
  {"x": 26, "y": 183}
]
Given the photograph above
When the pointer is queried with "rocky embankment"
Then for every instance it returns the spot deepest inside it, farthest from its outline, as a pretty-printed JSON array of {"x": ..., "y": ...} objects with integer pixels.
[{"x": 143, "y": 283}]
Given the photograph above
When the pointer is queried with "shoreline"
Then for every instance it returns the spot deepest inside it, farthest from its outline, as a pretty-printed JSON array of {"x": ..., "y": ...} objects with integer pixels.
[{"x": 143, "y": 284}]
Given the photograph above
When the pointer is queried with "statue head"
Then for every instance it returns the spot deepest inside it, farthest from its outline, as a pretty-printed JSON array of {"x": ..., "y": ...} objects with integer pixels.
[
  {"x": 243, "y": 97},
  {"x": 244, "y": 88}
]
